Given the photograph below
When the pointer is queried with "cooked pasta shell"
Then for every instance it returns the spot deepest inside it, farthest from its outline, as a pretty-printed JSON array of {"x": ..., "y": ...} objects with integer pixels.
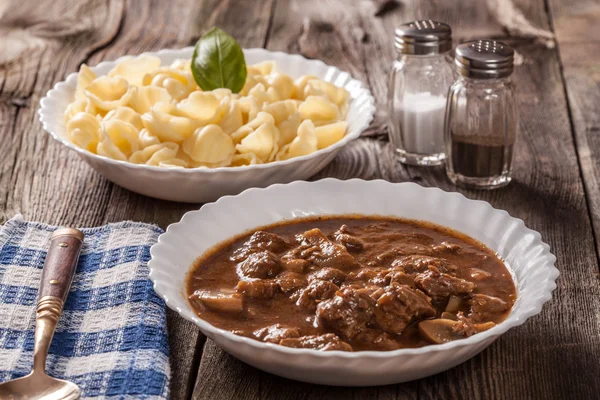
[
  {"x": 263, "y": 68},
  {"x": 300, "y": 85},
  {"x": 121, "y": 134},
  {"x": 174, "y": 163},
  {"x": 184, "y": 65},
  {"x": 330, "y": 134},
  {"x": 209, "y": 145},
  {"x": 281, "y": 110},
  {"x": 241, "y": 133},
  {"x": 147, "y": 138},
  {"x": 84, "y": 78},
  {"x": 264, "y": 95},
  {"x": 156, "y": 154},
  {"x": 177, "y": 82},
  {"x": 108, "y": 149},
  {"x": 318, "y": 108},
  {"x": 108, "y": 93},
  {"x": 222, "y": 93},
  {"x": 251, "y": 81},
  {"x": 288, "y": 129},
  {"x": 125, "y": 114},
  {"x": 143, "y": 98},
  {"x": 244, "y": 159},
  {"x": 133, "y": 69},
  {"x": 232, "y": 119},
  {"x": 250, "y": 108},
  {"x": 305, "y": 142},
  {"x": 260, "y": 119},
  {"x": 164, "y": 122},
  {"x": 263, "y": 142},
  {"x": 283, "y": 85},
  {"x": 204, "y": 107},
  {"x": 83, "y": 130},
  {"x": 84, "y": 105},
  {"x": 336, "y": 95}
]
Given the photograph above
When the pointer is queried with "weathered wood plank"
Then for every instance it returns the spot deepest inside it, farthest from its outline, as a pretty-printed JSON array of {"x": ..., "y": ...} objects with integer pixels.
[
  {"x": 575, "y": 22},
  {"x": 41, "y": 43},
  {"x": 578, "y": 42},
  {"x": 547, "y": 194}
]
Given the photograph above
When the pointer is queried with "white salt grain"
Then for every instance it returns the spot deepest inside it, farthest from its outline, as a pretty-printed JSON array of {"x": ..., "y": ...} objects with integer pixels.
[{"x": 421, "y": 118}]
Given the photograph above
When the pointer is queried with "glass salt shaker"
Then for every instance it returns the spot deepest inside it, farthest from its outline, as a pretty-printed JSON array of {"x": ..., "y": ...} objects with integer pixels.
[
  {"x": 419, "y": 82},
  {"x": 481, "y": 118}
]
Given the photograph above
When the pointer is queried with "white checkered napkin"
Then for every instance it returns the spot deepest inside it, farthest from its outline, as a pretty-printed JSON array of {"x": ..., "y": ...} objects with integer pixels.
[{"x": 111, "y": 339}]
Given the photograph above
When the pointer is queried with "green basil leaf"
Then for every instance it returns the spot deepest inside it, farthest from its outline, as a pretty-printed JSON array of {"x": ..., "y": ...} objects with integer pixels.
[{"x": 218, "y": 62}]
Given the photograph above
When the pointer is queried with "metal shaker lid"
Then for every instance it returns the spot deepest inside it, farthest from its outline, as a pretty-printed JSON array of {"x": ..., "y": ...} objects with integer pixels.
[
  {"x": 424, "y": 37},
  {"x": 484, "y": 59}
]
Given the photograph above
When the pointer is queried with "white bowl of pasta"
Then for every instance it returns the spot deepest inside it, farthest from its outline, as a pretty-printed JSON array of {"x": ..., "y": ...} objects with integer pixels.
[{"x": 149, "y": 129}]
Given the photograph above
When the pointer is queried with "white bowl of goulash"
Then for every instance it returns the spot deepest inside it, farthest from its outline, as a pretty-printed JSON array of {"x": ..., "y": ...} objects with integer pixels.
[
  {"x": 352, "y": 283},
  {"x": 144, "y": 123}
]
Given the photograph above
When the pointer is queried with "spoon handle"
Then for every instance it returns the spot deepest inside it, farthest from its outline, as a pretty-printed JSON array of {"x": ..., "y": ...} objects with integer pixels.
[{"x": 57, "y": 275}]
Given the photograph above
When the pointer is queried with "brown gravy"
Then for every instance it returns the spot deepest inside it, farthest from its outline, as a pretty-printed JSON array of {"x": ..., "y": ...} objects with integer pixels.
[{"x": 352, "y": 283}]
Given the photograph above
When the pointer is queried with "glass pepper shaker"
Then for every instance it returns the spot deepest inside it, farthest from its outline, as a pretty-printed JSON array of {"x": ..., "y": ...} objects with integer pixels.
[
  {"x": 419, "y": 82},
  {"x": 481, "y": 119}
]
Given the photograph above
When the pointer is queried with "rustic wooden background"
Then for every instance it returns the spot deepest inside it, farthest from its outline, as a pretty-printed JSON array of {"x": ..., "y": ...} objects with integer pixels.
[{"x": 554, "y": 356}]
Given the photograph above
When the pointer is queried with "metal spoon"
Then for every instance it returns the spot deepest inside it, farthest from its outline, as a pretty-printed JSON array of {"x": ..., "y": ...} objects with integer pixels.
[{"x": 59, "y": 269}]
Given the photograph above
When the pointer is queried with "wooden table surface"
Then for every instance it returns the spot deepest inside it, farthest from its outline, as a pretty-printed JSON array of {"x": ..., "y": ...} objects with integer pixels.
[{"x": 555, "y": 355}]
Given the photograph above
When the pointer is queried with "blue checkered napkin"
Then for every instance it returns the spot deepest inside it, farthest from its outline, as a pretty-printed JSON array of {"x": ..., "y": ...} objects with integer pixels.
[{"x": 111, "y": 339}]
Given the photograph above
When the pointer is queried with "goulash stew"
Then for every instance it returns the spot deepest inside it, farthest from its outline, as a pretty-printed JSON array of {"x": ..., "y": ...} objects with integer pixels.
[{"x": 352, "y": 283}]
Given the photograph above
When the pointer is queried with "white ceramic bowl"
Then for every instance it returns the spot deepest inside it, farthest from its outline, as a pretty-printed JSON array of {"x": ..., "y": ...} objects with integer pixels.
[
  {"x": 530, "y": 259},
  {"x": 201, "y": 185}
]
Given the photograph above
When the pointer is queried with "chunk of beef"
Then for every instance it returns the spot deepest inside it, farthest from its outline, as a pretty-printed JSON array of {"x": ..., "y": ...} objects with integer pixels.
[
  {"x": 344, "y": 236},
  {"x": 403, "y": 250},
  {"x": 225, "y": 300},
  {"x": 463, "y": 325},
  {"x": 276, "y": 333},
  {"x": 446, "y": 247},
  {"x": 371, "y": 290},
  {"x": 260, "y": 240},
  {"x": 314, "y": 293},
  {"x": 479, "y": 274},
  {"x": 346, "y": 229},
  {"x": 486, "y": 308},
  {"x": 289, "y": 281},
  {"x": 316, "y": 248},
  {"x": 328, "y": 274},
  {"x": 347, "y": 312},
  {"x": 261, "y": 265},
  {"x": 467, "y": 327},
  {"x": 370, "y": 338},
  {"x": 289, "y": 263},
  {"x": 438, "y": 284},
  {"x": 399, "y": 306},
  {"x": 375, "y": 276},
  {"x": 258, "y": 288},
  {"x": 326, "y": 342},
  {"x": 396, "y": 276},
  {"x": 416, "y": 264}
]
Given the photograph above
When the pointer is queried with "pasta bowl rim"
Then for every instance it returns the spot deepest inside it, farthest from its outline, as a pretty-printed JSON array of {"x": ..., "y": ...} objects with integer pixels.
[
  {"x": 516, "y": 317},
  {"x": 69, "y": 84}
]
